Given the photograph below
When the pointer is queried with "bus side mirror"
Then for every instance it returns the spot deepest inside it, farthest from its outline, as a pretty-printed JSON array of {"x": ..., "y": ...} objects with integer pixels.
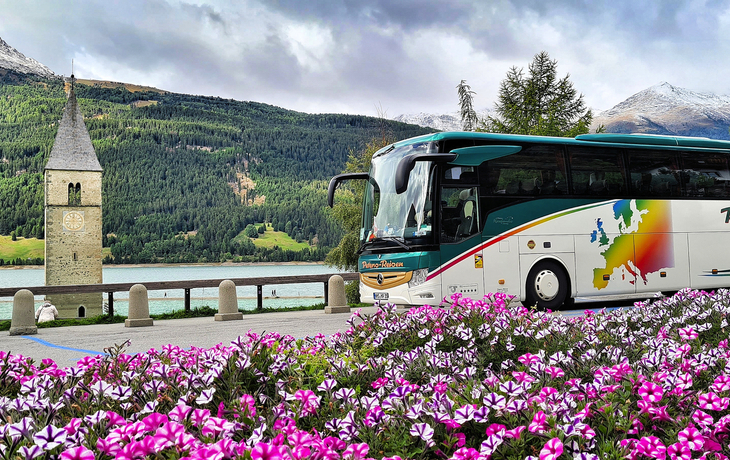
[
  {"x": 403, "y": 171},
  {"x": 340, "y": 178}
]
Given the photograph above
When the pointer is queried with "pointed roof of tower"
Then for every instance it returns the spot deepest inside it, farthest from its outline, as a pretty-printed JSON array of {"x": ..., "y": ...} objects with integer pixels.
[{"x": 72, "y": 149}]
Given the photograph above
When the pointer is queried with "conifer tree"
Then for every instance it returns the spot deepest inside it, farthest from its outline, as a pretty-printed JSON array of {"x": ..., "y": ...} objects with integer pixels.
[{"x": 538, "y": 103}]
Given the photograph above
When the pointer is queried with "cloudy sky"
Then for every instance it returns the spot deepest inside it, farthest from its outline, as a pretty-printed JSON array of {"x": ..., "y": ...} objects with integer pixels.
[{"x": 361, "y": 56}]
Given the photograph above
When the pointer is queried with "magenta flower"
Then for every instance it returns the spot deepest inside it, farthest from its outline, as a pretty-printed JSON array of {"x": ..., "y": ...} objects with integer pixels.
[
  {"x": 552, "y": 449},
  {"x": 77, "y": 453},
  {"x": 249, "y": 405},
  {"x": 108, "y": 447},
  {"x": 265, "y": 451},
  {"x": 722, "y": 383},
  {"x": 687, "y": 333},
  {"x": 710, "y": 401},
  {"x": 539, "y": 423},
  {"x": 652, "y": 447},
  {"x": 702, "y": 418},
  {"x": 466, "y": 453},
  {"x": 356, "y": 451},
  {"x": 679, "y": 451},
  {"x": 692, "y": 437},
  {"x": 651, "y": 392},
  {"x": 310, "y": 402}
]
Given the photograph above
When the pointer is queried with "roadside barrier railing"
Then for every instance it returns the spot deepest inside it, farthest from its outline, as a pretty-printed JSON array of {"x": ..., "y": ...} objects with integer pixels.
[{"x": 111, "y": 288}]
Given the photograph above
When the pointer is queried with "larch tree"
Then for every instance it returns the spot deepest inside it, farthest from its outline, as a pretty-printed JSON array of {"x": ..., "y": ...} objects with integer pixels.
[{"x": 539, "y": 103}]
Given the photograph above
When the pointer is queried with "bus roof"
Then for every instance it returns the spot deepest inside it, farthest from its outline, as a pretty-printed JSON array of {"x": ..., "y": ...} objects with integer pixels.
[{"x": 583, "y": 139}]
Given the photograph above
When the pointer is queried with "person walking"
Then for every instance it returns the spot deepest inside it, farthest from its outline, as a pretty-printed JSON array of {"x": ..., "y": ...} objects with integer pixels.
[{"x": 46, "y": 312}]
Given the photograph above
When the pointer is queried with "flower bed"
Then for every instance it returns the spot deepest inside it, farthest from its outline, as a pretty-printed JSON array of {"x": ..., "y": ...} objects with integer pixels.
[{"x": 475, "y": 380}]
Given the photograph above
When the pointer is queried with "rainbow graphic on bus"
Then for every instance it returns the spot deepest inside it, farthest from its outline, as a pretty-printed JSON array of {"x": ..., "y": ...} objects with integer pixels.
[{"x": 644, "y": 244}]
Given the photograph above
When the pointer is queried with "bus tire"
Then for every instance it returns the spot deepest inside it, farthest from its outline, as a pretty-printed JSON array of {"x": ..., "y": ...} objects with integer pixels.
[{"x": 547, "y": 286}]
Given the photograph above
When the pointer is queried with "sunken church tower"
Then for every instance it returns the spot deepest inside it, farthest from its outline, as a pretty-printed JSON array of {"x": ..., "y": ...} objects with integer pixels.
[{"x": 73, "y": 214}]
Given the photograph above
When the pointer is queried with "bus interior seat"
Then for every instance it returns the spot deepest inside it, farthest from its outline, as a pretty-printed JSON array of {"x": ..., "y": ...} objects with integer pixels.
[
  {"x": 548, "y": 188},
  {"x": 598, "y": 186},
  {"x": 530, "y": 186},
  {"x": 512, "y": 188},
  {"x": 467, "y": 209}
]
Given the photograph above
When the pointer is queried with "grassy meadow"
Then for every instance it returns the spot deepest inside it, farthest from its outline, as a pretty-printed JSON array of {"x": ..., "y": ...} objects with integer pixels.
[
  {"x": 24, "y": 248},
  {"x": 272, "y": 238}
]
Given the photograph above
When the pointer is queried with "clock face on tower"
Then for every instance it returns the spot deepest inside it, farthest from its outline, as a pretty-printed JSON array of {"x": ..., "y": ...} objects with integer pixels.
[{"x": 73, "y": 221}]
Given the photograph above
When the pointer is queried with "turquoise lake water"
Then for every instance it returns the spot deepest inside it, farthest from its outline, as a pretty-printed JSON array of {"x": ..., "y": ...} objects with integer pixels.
[{"x": 163, "y": 301}]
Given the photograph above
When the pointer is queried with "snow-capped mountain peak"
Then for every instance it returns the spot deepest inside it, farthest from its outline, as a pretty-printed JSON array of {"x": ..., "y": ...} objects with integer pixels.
[
  {"x": 444, "y": 122},
  {"x": 12, "y": 59},
  {"x": 671, "y": 110}
]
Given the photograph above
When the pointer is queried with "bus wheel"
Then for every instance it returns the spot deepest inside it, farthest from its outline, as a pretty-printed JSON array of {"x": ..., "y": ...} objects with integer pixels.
[{"x": 547, "y": 286}]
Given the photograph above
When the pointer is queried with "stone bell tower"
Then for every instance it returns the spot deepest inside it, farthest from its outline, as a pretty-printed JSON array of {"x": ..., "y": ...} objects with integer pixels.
[{"x": 73, "y": 214}]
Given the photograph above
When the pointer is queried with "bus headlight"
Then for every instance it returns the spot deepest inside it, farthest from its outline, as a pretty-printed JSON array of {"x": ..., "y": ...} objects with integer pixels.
[{"x": 418, "y": 278}]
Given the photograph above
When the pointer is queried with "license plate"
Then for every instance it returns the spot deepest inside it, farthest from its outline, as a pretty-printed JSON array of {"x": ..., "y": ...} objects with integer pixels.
[{"x": 380, "y": 295}]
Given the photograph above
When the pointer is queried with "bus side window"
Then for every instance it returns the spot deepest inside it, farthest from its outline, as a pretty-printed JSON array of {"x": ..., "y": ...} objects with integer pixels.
[
  {"x": 596, "y": 171},
  {"x": 705, "y": 174},
  {"x": 459, "y": 204},
  {"x": 654, "y": 173}
]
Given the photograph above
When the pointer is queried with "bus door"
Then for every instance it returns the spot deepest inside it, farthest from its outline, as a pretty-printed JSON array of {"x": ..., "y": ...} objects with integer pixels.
[{"x": 460, "y": 233}]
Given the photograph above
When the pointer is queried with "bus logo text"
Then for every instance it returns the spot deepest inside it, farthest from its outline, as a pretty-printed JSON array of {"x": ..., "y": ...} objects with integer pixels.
[
  {"x": 382, "y": 264},
  {"x": 727, "y": 214}
]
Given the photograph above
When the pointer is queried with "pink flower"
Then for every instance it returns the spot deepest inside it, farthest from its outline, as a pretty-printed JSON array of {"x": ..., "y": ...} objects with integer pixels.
[
  {"x": 679, "y": 451},
  {"x": 687, "y": 333},
  {"x": 652, "y": 447},
  {"x": 702, "y": 418},
  {"x": 265, "y": 451},
  {"x": 722, "y": 383},
  {"x": 310, "y": 402},
  {"x": 710, "y": 401},
  {"x": 691, "y": 437},
  {"x": 249, "y": 405},
  {"x": 77, "y": 453},
  {"x": 466, "y": 453},
  {"x": 356, "y": 451},
  {"x": 379, "y": 383},
  {"x": 539, "y": 423},
  {"x": 552, "y": 450},
  {"x": 651, "y": 392}
]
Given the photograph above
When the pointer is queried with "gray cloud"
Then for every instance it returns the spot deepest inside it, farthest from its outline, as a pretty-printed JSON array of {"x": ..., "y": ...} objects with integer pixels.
[{"x": 351, "y": 55}]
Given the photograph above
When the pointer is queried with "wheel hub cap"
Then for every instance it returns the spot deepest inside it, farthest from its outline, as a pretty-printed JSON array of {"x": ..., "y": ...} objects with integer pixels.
[{"x": 547, "y": 285}]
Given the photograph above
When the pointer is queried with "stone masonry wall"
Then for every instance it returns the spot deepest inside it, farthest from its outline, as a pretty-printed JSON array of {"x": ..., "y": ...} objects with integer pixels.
[{"x": 73, "y": 240}]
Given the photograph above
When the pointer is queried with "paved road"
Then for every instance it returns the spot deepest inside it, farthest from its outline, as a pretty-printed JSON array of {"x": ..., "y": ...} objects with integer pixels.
[{"x": 66, "y": 345}]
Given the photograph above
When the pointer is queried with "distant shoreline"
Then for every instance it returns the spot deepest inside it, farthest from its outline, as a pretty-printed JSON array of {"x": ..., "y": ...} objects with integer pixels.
[{"x": 207, "y": 264}]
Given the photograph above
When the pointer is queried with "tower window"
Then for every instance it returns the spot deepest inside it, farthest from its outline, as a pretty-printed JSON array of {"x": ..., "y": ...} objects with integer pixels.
[
  {"x": 75, "y": 256},
  {"x": 74, "y": 194}
]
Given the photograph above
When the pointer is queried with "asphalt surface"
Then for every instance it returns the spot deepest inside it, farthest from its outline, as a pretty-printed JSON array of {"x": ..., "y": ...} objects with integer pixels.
[{"x": 66, "y": 345}]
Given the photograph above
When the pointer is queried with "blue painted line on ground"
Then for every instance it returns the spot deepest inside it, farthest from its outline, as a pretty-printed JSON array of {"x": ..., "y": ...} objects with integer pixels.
[{"x": 49, "y": 344}]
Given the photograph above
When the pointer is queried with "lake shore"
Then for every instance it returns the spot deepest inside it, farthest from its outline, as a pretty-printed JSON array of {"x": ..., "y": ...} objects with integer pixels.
[{"x": 161, "y": 265}]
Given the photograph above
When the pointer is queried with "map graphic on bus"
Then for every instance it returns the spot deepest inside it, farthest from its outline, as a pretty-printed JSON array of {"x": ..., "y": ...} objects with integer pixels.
[{"x": 654, "y": 251}]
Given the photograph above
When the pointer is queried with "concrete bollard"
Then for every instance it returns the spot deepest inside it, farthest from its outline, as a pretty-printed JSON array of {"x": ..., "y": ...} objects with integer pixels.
[
  {"x": 227, "y": 302},
  {"x": 337, "y": 300},
  {"x": 139, "y": 308},
  {"x": 23, "y": 320}
]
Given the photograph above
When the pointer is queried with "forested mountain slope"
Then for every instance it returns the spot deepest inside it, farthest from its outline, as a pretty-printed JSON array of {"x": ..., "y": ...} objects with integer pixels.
[{"x": 183, "y": 175}]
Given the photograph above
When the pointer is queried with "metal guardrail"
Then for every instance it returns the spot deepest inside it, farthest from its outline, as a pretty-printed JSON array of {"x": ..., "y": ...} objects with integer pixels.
[{"x": 111, "y": 288}]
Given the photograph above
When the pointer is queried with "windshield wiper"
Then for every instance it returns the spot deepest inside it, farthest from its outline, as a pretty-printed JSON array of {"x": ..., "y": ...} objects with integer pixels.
[{"x": 398, "y": 240}]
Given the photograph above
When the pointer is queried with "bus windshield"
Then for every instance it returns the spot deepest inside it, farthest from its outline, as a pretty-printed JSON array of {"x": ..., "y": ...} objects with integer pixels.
[{"x": 400, "y": 218}]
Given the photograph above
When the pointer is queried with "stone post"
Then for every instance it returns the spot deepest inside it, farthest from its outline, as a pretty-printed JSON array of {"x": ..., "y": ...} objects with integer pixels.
[
  {"x": 227, "y": 302},
  {"x": 23, "y": 320},
  {"x": 337, "y": 300},
  {"x": 139, "y": 307}
]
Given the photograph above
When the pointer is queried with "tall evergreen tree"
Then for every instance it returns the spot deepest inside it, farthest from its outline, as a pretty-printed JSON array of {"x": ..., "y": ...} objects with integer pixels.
[
  {"x": 539, "y": 103},
  {"x": 469, "y": 118}
]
